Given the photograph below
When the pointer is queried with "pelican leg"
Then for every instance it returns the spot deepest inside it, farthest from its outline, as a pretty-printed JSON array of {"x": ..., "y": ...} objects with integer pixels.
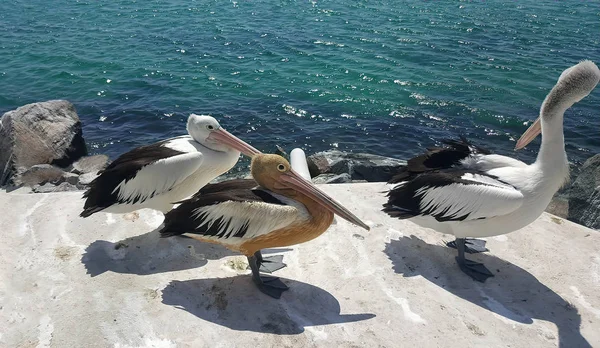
[
  {"x": 472, "y": 245},
  {"x": 473, "y": 269},
  {"x": 269, "y": 264},
  {"x": 271, "y": 286}
]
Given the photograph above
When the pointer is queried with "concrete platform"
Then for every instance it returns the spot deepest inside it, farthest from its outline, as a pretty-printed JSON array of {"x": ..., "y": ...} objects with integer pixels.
[{"x": 109, "y": 281}]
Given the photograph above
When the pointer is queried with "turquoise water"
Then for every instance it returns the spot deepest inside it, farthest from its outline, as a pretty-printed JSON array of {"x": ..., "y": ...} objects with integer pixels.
[{"x": 382, "y": 77}]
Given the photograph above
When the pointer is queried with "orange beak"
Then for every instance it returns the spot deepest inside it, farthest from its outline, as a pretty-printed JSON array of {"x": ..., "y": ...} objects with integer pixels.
[
  {"x": 293, "y": 180},
  {"x": 530, "y": 134},
  {"x": 226, "y": 138}
]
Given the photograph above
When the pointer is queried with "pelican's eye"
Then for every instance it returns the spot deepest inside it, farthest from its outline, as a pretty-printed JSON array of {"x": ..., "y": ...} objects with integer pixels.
[
  {"x": 210, "y": 127},
  {"x": 281, "y": 167}
]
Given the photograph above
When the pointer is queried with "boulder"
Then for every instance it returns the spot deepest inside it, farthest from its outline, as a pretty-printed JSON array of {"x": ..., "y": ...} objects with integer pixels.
[
  {"x": 40, "y": 133},
  {"x": 360, "y": 166},
  {"x": 584, "y": 197},
  {"x": 90, "y": 164}
]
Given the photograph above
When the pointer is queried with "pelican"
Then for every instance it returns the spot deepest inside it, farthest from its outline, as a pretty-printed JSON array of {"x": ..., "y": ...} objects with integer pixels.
[
  {"x": 155, "y": 176},
  {"x": 484, "y": 195},
  {"x": 278, "y": 208}
]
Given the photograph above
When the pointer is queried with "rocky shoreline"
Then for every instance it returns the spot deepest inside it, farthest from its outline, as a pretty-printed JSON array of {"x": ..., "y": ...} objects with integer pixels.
[{"x": 42, "y": 148}]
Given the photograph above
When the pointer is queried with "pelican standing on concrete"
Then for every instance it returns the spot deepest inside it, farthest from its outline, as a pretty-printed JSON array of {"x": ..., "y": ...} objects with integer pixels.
[
  {"x": 278, "y": 208},
  {"x": 484, "y": 195},
  {"x": 158, "y": 175}
]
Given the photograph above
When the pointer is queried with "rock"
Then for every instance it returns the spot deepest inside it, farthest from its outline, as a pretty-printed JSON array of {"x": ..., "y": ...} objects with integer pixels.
[
  {"x": 48, "y": 188},
  {"x": 340, "y": 179},
  {"x": 71, "y": 178},
  {"x": 87, "y": 178},
  {"x": 39, "y": 133},
  {"x": 584, "y": 197},
  {"x": 321, "y": 179},
  {"x": 360, "y": 166},
  {"x": 90, "y": 164},
  {"x": 40, "y": 174},
  {"x": 559, "y": 206},
  {"x": 332, "y": 179}
]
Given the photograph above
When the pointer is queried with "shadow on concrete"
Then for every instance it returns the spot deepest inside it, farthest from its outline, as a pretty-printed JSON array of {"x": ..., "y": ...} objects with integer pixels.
[
  {"x": 236, "y": 303},
  {"x": 149, "y": 254},
  {"x": 513, "y": 293}
]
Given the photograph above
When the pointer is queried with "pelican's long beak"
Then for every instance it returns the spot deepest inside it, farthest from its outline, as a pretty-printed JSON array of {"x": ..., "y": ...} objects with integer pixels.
[
  {"x": 224, "y": 137},
  {"x": 530, "y": 134},
  {"x": 296, "y": 182}
]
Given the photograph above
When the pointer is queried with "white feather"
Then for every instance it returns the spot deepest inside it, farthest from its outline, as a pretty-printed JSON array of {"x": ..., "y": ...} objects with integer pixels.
[
  {"x": 159, "y": 177},
  {"x": 483, "y": 198},
  {"x": 261, "y": 218}
]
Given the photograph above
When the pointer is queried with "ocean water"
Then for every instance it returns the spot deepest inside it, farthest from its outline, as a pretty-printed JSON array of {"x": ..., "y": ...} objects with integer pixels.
[{"x": 374, "y": 76}]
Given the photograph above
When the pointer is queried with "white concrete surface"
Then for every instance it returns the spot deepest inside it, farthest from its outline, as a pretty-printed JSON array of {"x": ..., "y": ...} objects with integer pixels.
[{"x": 109, "y": 281}]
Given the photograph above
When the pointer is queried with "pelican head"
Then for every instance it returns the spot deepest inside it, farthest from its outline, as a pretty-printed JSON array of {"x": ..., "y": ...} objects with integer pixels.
[
  {"x": 207, "y": 131},
  {"x": 275, "y": 173},
  {"x": 574, "y": 84}
]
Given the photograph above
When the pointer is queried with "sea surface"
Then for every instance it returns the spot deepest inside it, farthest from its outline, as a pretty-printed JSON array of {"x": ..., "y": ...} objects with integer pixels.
[{"x": 385, "y": 77}]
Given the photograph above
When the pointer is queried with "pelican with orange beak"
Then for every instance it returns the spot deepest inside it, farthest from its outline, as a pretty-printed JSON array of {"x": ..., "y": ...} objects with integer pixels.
[{"x": 278, "y": 208}]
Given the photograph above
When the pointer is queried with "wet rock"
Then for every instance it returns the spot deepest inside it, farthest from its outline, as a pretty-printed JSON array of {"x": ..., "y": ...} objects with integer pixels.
[
  {"x": 584, "y": 196},
  {"x": 39, "y": 133},
  {"x": 90, "y": 164},
  {"x": 360, "y": 166}
]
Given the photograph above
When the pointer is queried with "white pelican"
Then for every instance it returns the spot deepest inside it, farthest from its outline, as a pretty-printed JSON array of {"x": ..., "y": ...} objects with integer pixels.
[
  {"x": 482, "y": 195},
  {"x": 278, "y": 208},
  {"x": 155, "y": 176}
]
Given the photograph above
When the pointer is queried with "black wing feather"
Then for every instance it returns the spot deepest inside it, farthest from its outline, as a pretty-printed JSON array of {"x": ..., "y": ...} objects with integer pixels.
[
  {"x": 100, "y": 193},
  {"x": 438, "y": 158},
  {"x": 184, "y": 220},
  {"x": 404, "y": 201}
]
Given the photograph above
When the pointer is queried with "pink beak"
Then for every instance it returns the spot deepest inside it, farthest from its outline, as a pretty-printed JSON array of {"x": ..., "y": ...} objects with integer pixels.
[
  {"x": 296, "y": 182},
  {"x": 224, "y": 137},
  {"x": 530, "y": 134}
]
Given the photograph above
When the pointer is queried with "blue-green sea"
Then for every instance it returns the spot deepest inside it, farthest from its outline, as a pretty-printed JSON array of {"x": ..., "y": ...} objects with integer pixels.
[{"x": 386, "y": 77}]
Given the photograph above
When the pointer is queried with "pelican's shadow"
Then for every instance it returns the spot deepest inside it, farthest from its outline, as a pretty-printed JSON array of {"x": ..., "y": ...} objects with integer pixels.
[
  {"x": 236, "y": 303},
  {"x": 513, "y": 293},
  {"x": 149, "y": 254}
]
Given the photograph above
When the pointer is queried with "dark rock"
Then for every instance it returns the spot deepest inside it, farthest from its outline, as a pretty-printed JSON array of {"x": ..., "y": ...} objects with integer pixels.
[
  {"x": 90, "y": 164},
  {"x": 48, "y": 188},
  {"x": 360, "y": 166},
  {"x": 39, "y": 133},
  {"x": 584, "y": 196}
]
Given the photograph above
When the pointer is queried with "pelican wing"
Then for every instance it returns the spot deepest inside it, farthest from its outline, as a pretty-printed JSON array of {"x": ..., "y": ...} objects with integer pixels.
[
  {"x": 140, "y": 174},
  {"x": 451, "y": 155},
  {"x": 453, "y": 196},
  {"x": 231, "y": 215}
]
